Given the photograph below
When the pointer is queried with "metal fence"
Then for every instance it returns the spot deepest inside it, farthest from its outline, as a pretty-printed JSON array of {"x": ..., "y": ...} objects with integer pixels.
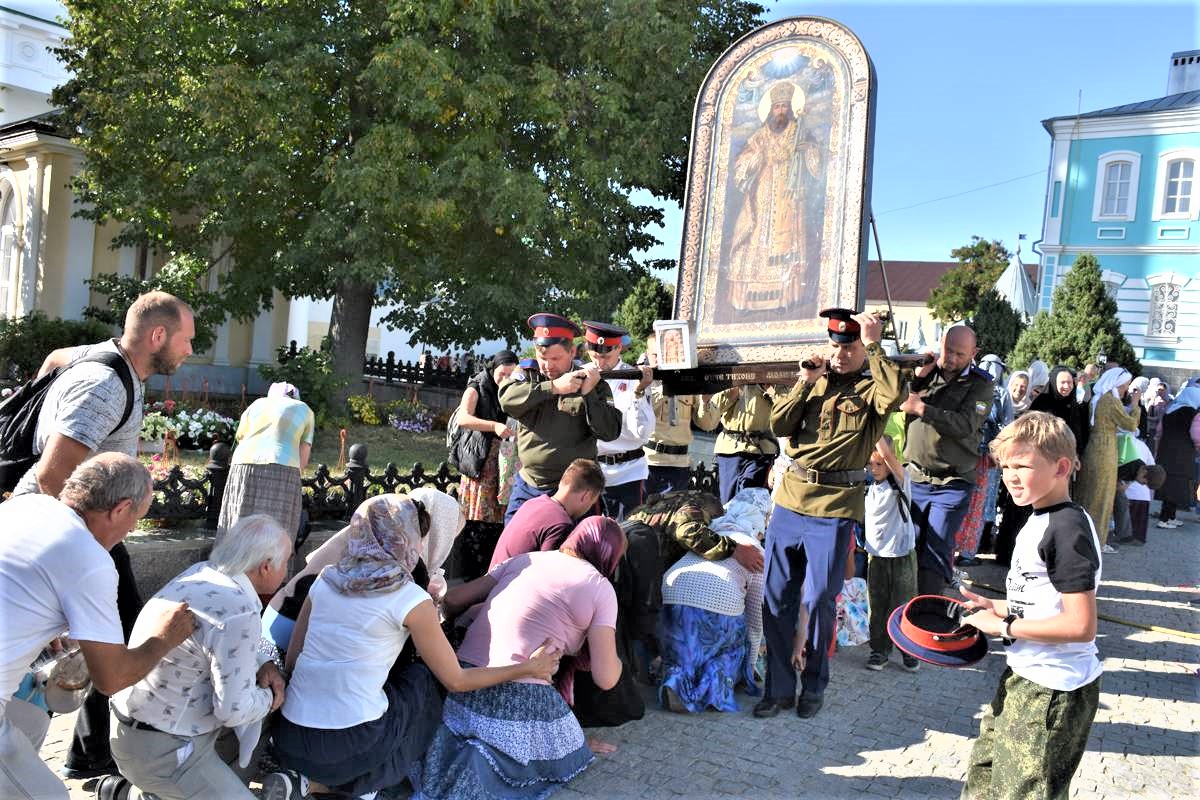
[
  {"x": 389, "y": 370},
  {"x": 326, "y": 496}
]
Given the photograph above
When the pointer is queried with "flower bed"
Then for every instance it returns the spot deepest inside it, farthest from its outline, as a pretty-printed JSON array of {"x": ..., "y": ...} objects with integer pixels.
[{"x": 194, "y": 428}]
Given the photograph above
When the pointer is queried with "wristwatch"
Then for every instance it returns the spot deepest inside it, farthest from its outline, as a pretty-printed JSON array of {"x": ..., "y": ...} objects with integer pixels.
[{"x": 1005, "y": 632}]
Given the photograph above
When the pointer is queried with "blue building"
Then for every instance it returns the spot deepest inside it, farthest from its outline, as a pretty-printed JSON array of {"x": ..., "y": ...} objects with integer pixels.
[{"x": 1124, "y": 185}]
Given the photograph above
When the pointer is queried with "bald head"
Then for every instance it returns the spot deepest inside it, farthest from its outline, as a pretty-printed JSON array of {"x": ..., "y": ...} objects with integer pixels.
[{"x": 958, "y": 349}]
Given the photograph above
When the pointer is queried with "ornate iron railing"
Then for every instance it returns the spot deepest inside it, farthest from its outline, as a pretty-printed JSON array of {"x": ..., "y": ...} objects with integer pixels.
[{"x": 389, "y": 370}]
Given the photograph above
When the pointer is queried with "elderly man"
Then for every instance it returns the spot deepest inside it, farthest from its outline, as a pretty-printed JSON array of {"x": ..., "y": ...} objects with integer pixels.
[
  {"x": 832, "y": 417},
  {"x": 563, "y": 410},
  {"x": 624, "y": 464},
  {"x": 949, "y": 400},
  {"x": 95, "y": 406},
  {"x": 56, "y": 576},
  {"x": 167, "y": 723}
]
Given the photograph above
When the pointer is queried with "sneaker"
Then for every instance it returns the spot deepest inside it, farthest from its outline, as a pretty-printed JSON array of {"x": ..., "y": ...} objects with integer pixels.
[
  {"x": 910, "y": 663},
  {"x": 86, "y": 772},
  {"x": 1175, "y": 523},
  {"x": 1166, "y": 526},
  {"x": 876, "y": 661},
  {"x": 284, "y": 786},
  {"x": 1108, "y": 549}
]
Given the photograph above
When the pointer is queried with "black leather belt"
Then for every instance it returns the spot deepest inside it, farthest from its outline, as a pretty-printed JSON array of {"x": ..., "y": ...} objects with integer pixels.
[
  {"x": 668, "y": 449},
  {"x": 135, "y": 723},
  {"x": 845, "y": 477},
  {"x": 621, "y": 458}
]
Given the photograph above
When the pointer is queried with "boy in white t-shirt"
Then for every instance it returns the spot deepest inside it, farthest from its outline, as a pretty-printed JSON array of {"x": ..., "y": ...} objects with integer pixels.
[
  {"x": 1033, "y": 735},
  {"x": 891, "y": 539}
]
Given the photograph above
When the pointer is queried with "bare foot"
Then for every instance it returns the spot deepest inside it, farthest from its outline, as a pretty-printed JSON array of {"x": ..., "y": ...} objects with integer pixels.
[{"x": 600, "y": 748}]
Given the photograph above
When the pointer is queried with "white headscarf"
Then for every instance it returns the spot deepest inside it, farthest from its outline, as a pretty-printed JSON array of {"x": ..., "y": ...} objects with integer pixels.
[
  {"x": 1107, "y": 383},
  {"x": 1140, "y": 383},
  {"x": 1150, "y": 397},
  {"x": 1039, "y": 376},
  {"x": 1022, "y": 406},
  {"x": 282, "y": 389},
  {"x": 445, "y": 523}
]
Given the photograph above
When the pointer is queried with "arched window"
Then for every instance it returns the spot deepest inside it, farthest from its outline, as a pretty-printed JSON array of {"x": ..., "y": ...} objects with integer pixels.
[
  {"x": 1175, "y": 185},
  {"x": 1116, "y": 186},
  {"x": 10, "y": 253},
  {"x": 1165, "y": 289}
]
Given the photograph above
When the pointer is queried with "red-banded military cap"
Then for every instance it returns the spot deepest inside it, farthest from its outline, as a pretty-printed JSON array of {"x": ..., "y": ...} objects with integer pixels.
[
  {"x": 842, "y": 327},
  {"x": 603, "y": 336},
  {"x": 552, "y": 329}
]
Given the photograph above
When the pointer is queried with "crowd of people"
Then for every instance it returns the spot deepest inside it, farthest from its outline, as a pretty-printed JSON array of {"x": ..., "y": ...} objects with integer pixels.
[{"x": 609, "y": 581}]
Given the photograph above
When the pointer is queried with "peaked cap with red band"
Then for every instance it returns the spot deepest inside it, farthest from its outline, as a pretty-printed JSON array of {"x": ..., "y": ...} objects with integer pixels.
[
  {"x": 603, "y": 336},
  {"x": 842, "y": 328},
  {"x": 552, "y": 329}
]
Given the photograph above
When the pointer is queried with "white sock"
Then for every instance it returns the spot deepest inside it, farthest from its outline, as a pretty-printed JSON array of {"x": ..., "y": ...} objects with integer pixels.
[{"x": 368, "y": 795}]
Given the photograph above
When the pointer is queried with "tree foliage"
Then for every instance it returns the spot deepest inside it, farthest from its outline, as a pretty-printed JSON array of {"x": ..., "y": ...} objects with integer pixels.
[
  {"x": 959, "y": 290},
  {"x": 650, "y": 300},
  {"x": 1081, "y": 323},
  {"x": 26, "y": 341},
  {"x": 472, "y": 164},
  {"x": 997, "y": 324}
]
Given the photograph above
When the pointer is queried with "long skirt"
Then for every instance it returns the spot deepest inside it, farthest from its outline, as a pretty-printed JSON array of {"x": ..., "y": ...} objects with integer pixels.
[
  {"x": 966, "y": 539},
  {"x": 374, "y": 755},
  {"x": 705, "y": 655},
  {"x": 270, "y": 489},
  {"x": 515, "y": 740},
  {"x": 478, "y": 496}
]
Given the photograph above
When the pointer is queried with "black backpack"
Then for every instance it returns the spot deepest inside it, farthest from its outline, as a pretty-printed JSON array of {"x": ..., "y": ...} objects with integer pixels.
[{"x": 20, "y": 411}]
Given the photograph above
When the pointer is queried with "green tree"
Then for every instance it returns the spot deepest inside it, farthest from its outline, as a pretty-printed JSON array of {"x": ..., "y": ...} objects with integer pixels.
[
  {"x": 651, "y": 299},
  {"x": 1081, "y": 323},
  {"x": 470, "y": 165},
  {"x": 997, "y": 324},
  {"x": 959, "y": 290}
]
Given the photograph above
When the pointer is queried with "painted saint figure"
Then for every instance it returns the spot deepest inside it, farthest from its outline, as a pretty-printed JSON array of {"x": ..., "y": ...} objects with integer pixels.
[{"x": 767, "y": 253}]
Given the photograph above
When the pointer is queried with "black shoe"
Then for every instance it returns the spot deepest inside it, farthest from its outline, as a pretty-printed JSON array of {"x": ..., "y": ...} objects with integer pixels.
[
  {"x": 113, "y": 787},
  {"x": 968, "y": 561},
  {"x": 808, "y": 705},
  {"x": 84, "y": 773},
  {"x": 770, "y": 706}
]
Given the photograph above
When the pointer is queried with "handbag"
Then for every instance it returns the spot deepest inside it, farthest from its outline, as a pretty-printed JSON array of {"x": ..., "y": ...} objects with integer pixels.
[{"x": 468, "y": 449}]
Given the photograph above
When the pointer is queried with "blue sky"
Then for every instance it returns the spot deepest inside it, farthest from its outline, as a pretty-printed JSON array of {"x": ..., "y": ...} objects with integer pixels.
[{"x": 963, "y": 88}]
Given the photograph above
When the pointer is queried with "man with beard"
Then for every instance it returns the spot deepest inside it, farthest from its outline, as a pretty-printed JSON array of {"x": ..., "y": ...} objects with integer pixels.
[
  {"x": 88, "y": 410},
  {"x": 767, "y": 254},
  {"x": 832, "y": 417}
]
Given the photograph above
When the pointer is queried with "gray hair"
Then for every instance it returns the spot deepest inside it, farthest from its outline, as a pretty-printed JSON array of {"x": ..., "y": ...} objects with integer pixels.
[
  {"x": 251, "y": 541},
  {"x": 103, "y": 481}
]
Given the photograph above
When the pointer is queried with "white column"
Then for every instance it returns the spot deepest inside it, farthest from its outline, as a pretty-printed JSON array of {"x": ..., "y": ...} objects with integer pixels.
[
  {"x": 220, "y": 348},
  {"x": 298, "y": 310},
  {"x": 81, "y": 245},
  {"x": 262, "y": 337},
  {"x": 32, "y": 256},
  {"x": 125, "y": 258}
]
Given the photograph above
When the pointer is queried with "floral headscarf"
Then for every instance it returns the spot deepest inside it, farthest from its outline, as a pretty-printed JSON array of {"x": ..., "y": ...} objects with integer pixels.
[
  {"x": 445, "y": 523},
  {"x": 383, "y": 548},
  {"x": 599, "y": 541}
]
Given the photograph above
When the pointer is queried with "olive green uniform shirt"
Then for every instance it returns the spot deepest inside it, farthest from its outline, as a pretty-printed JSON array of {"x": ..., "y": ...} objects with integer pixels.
[
  {"x": 943, "y": 445},
  {"x": 673, "y": 420},
  {"x": 832, "y": 425},
  {"x": 557, "y": 429},
  {"x": 745, "y": 423},
  {"x": 681, "y": 520}
]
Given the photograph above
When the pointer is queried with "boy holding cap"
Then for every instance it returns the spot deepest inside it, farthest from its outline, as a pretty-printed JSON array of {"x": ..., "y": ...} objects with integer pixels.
[{"x": 1032, "y": 737}]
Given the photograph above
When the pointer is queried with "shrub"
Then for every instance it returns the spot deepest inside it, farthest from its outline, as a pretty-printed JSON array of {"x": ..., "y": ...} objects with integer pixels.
[
  {"x": 364, "y": 409},
  {"x": 310, "y": 371},
  {"x": 26, "y": 341}
]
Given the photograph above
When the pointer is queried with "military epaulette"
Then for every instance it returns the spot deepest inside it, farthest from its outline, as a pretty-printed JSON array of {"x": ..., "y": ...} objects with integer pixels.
[{"x": 979, "y": 373}]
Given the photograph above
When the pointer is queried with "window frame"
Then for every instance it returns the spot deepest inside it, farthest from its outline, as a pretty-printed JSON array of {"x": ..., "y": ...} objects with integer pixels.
[
  {"x": 1153, "y": 282},
  {"x": 1135, "y": 168},
  {"x": 1165, "y": 159}
]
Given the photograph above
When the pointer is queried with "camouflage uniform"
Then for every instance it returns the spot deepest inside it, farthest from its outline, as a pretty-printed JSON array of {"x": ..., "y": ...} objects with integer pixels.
[{"x": 1031, "y": 740}]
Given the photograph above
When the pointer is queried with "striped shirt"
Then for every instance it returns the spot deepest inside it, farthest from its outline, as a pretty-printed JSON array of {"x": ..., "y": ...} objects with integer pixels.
[{"x": 271, "y": 431}]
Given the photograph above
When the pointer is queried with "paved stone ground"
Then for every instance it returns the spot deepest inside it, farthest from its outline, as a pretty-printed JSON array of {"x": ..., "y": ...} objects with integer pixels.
[{"x": 894, "y": 734}]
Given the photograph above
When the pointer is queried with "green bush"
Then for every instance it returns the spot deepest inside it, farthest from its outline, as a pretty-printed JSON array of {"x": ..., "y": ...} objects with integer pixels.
[
  {"x": 310, "y": 371},
  {"x": 364, "y": 409},
  {"x": 26, "y": 341}
]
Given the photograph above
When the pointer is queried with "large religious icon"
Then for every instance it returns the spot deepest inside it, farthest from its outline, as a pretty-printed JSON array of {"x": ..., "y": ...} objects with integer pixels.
[{"x": 778, "y": 191}]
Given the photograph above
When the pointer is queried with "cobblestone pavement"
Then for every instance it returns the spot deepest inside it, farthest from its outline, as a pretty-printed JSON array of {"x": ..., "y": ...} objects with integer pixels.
[{"x": 895, "y": 734}]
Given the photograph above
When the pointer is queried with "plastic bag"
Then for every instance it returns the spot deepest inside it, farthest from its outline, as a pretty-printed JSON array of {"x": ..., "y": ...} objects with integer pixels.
[{"x": 853, "y": 614}]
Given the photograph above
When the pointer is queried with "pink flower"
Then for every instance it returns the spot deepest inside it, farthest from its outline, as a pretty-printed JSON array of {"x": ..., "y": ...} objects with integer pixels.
[{"x": 170, "y": 406}]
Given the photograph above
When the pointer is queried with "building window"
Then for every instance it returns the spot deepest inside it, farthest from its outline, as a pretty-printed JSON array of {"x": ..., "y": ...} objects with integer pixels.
[
  {"x": 1175, "y": 185},
  {"x": 1054, "y": 200},
  {"x": 1178, "y": 197},
  {"x": 9, "y": 251},
  {"x": 1116, "y": 186},
  {"x": 1164, "y": 309}
]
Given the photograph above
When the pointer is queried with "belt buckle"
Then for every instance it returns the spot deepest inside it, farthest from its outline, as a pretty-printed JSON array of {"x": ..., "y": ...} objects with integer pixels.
[{"x": 811, "y": 475}]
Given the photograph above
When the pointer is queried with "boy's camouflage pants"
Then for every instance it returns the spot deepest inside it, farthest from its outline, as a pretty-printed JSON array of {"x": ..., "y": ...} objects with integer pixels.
[{"x": 1031, "y": 739}]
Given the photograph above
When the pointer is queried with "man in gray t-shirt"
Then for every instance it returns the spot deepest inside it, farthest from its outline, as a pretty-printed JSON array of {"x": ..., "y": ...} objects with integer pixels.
[{"x": 82, "y": 407}]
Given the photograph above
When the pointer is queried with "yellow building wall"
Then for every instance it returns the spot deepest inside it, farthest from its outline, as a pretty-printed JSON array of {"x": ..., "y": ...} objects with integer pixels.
[{"x": 58, "y": 205}]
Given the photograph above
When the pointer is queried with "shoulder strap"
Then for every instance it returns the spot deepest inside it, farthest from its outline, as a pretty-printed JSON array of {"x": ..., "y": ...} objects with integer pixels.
[
  {"x": 116, "y": 362},
  {"x": 903, "y": 504}
]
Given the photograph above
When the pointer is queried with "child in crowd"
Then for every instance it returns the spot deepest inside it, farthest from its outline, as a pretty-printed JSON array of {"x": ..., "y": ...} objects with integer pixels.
[
  {"x": 1033, "y": 735},
  {"x": 891, "y": 539},
  {"x": 1139, "y": 492}
]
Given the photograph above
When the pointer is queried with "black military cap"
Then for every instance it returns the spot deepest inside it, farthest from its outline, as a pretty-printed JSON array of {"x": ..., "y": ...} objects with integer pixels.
[
  {"x": 603, "y": 336},
  {"x": 842, "y": 328}
]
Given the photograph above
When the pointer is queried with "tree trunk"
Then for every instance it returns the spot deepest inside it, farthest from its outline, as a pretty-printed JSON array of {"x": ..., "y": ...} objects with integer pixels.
[{"x": 348, "y": 328}]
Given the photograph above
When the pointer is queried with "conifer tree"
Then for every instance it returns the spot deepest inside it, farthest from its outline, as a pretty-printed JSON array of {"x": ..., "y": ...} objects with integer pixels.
[
  {"x": 1082, "y": 322},
  {"x": 997, "y": 324}
]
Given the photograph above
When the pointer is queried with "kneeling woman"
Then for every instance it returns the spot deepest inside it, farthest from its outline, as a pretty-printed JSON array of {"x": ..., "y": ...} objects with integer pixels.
[
  {"x": 520, "y": 740},
  {"x": 346, "y": 725}
]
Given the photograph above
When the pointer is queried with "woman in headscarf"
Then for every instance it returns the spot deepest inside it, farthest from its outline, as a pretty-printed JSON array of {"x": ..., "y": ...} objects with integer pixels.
[
  {"x": 710, "y": 626},
  {"x": 1155, "y": 403},
  {"x": 1018, "y": 392},
  {"x": 1177, "y": 453},
  {"x": 274, "y": 440},
  {"x": 1060, "y": 401},
  {"x": 1097, "y": 482},
  {"x": 1139, "y": 384},
  {"x": 346, "y": 725},
  {"x": 1039, "y": 377},
  {"x": 519, "y": 739},
  {"x": 1013, "y": 517},
  {"x": 480, "y": 410}
]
